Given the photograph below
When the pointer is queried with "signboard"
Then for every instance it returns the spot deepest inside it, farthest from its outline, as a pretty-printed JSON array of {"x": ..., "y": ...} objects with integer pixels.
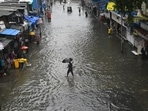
[{"x": 110, "y": 6}]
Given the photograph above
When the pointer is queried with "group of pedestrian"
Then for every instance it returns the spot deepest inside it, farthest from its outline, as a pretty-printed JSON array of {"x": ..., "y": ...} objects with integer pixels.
[
  {"x": 86, "y": 14},
  {"x": 7, "y": 62}
]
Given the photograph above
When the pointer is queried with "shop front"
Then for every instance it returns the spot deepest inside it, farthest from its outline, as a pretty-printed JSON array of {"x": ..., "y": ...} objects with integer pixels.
[
  {"x": 117, "y": 23},
  {"x": 140, "y": 39}
]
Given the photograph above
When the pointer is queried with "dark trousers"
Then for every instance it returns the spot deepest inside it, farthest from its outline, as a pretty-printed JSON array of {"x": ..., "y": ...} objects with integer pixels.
[
  {"x": 69, "y": 70},
  {"x": 21, "y": 65}
]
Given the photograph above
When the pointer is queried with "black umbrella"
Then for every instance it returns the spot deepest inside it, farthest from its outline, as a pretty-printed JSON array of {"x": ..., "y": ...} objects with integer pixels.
[{"x": 67, "y": 60}]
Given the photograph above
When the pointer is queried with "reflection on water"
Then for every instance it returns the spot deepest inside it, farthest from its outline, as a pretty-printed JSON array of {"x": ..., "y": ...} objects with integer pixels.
[{"x": 104, "y": 79}]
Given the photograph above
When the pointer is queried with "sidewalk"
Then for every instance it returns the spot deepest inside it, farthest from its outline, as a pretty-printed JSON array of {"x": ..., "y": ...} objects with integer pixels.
[
  {"x": 8, "y": 81},
  {"x": 114, "y": 34}
]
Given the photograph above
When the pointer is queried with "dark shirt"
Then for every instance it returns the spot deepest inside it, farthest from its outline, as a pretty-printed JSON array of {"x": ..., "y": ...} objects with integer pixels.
[{"x": 70, "y": 66}]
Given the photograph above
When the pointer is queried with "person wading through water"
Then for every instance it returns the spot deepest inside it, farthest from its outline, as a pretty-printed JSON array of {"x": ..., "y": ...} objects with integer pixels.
[{"x": 70, "y": 69}]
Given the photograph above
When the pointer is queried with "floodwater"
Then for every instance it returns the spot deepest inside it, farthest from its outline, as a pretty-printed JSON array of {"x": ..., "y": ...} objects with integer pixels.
[{"x": 104, "y": 78}]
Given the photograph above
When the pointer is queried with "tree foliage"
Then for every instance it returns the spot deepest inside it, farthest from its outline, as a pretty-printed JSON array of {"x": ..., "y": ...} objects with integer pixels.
[{"x": 127, "y": 6}]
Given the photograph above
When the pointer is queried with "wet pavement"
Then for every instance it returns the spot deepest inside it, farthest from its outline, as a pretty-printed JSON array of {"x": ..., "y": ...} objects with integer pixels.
[{"x": 104, "y": 78}]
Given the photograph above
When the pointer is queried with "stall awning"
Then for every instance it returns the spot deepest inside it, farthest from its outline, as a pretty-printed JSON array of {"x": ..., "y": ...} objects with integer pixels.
[
  {"x": 141, "y": 32},
  {"x": 5, "y": 13},
  {"x": 29, "y": 1},
  {"x": 6, "y": 42},
  {"x": 12, "y": 32},
  {"x": 17, "y": 27}
]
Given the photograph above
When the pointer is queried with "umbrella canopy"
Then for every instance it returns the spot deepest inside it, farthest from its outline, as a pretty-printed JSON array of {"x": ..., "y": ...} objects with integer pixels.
[
  {"x": 24, "y": 47},
  {"x": 67, "y": 60}
]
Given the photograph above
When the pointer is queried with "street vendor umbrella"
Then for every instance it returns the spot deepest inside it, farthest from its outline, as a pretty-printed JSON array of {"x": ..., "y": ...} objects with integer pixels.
[
  {"x": 66, "y": 60},
  {"x": 24, "y": 47}
]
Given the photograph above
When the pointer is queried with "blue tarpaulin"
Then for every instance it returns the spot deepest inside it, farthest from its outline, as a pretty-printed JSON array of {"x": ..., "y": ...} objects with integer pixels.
[
  {"x": 31, "y": 19},
  {"x": 35, "y": 4},
  {"x": 102, "y": 3},
  {"x": 12, "y": 32}
]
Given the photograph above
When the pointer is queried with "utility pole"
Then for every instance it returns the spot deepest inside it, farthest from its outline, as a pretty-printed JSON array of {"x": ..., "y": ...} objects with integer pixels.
[
  {"x": 122, "y": 12},
  {"x": 121, "y": 33}
]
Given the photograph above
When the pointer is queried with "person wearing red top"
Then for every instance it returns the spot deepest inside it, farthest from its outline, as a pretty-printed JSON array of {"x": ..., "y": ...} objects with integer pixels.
[{"x": 49, "y": 15}]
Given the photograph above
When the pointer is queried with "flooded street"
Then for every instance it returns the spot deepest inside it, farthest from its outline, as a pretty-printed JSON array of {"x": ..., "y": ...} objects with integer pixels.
[{"x": 104, "y": 78}]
